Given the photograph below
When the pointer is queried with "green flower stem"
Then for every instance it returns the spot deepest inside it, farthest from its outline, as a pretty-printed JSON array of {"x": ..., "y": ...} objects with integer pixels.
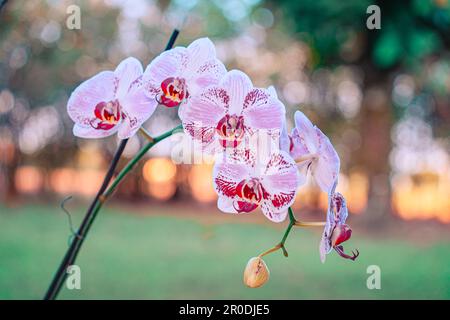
[
  {"x": 75, "y": 246},
  {"x": 292, "y": 222},
  {"x": 281, "y": 246},
  {"x": 136, "y": 159},
  {"x": 130, "y": 165}
]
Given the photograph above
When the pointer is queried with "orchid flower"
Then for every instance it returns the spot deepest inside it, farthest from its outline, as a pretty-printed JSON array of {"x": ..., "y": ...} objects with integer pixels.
[
  {"x": 223, "y": 115},
  {"x": 336, "y": 231},
  {"x": 176, "y": 74},
  {"x": 110, "y": 102},
  {"x": 244, "y": 184},
  {"x": 312, "y": 151}
]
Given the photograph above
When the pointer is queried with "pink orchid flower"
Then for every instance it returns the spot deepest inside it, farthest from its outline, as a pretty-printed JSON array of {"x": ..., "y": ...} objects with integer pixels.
[
  {"x": 336, "y": 231},
  {"x": 223, "y": 115},
  {"x": 244, "y": 184},
  {"x": 176, "y": 74},
  {"x": 312, "y": 151},
  {"x": 110, "y": 102}
]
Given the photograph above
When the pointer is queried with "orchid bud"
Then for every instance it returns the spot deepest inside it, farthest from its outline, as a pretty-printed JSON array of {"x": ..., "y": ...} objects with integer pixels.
[
  {"x": 341, "y": 233},
  {"x": 256, "y": 273}
]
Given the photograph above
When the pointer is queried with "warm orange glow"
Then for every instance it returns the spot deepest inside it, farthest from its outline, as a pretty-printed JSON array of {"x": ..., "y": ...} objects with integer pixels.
[
  {"x": 354, "y": 188},
  {"x": 162, "y": 190},
  {"x": 160, "y": 174},
  {"x": 200, "y": 180},
  {"x": 88, "y": 181},
  {"x": 441, "y": 3},
  {"x": 85, "y": 182},
  {"x": 307, "y": 196},
  {"x": 158, "y": 170},
  {"x": 90, "y": 156},
  {"x": 422, "y": 196},
  {"x": 29, "y": 179},
  {"x": 356, "y": 192},
  {"x": 62, "y": 180}
]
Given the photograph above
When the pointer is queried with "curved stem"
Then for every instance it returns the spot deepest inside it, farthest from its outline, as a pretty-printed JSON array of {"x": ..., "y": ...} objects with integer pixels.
[
  {"x": 145, "y": 134},
  {"x": 292, "y": 222},
  {"x": 138, "y": 157},
  {"x": 72, "y": 253},
  {"x": 277, "y": 247},
  {"x": 283, "y": 240},
  {"x": 309, "y": 224},
  {"x": 130, "y": 165}
]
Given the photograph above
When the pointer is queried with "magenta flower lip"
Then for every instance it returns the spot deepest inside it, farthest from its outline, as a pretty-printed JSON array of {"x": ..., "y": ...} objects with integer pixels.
[{"x": 174, "y": 92}]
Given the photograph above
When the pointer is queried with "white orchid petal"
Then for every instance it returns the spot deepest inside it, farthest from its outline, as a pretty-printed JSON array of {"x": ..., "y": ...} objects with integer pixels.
[{"x": 127, "y": 72}]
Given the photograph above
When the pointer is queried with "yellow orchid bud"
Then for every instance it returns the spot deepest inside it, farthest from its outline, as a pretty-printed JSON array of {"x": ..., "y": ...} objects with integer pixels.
[{"x": 256, "y": 273}]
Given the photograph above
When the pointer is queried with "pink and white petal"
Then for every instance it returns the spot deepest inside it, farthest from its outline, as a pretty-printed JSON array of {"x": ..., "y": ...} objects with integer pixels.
[
  {"x": 127, "y": 72},
  {"x": 281, "y": 181},
  {"x": 129, "y": 127},
  {"x": 282, "y": 201},
  {"x": 270, "y": 212},
  {"x": 199, "y": 52},
  {"x": 340, "y": 208},
  {"x": 206, "y": 108},
  {"x": 225, "y": 204},
  {"x": 303, "y": 169},
  {"x": 324, "y": 174},
  {"x": 137, "y": 108},
  {"x": 306, "y": 131},
  {"x": 240, "y": 155},
  {"x": 226, "y": 176},
  {"x": 285, "y": 182},
  {"x": 137, "y": 104},
  {"x": 208, "y": 74},
  {"x": 325, "y": 170},
  {"x": 203, "y": 137},
  {"x": 82, "y": 101},
  {"x": 285, "y": 140},
  {"x": 91, "y": 133},
  {"x": 298, "y": 147},
  {"x": 237, "y": 84},
  {"x": 279, "y": 163},
  {"x": 325, "y": 243},
  {"x": 324, "y": 247},
  {"x": 262, "y": 111},
  {"x": 168, "y": 64}
]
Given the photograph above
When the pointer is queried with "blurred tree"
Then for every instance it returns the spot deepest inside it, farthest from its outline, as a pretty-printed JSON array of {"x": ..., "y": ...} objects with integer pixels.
[
  {"x": 41, "y": 61},
  {"x": 411, "y": 32}
]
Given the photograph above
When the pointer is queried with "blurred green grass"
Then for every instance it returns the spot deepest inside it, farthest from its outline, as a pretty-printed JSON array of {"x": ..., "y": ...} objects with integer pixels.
[{"x": 131, "y": 256}]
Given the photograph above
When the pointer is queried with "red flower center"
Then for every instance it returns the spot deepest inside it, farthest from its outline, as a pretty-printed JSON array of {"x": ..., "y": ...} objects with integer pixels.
[
  {"x": 230, "y": 130},
  {"x": 174, "y": 91},
  {"x": 251, "y": 192},
  {"x": 107, "y": 115}
]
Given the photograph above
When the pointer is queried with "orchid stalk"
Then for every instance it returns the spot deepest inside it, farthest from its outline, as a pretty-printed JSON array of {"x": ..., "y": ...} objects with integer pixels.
[
  {"x": 75, "y": 246},
  {"x": 258, "y": 164},
  {"x": 292, "y": 222},
  {"x": 130, "y": 165}
]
